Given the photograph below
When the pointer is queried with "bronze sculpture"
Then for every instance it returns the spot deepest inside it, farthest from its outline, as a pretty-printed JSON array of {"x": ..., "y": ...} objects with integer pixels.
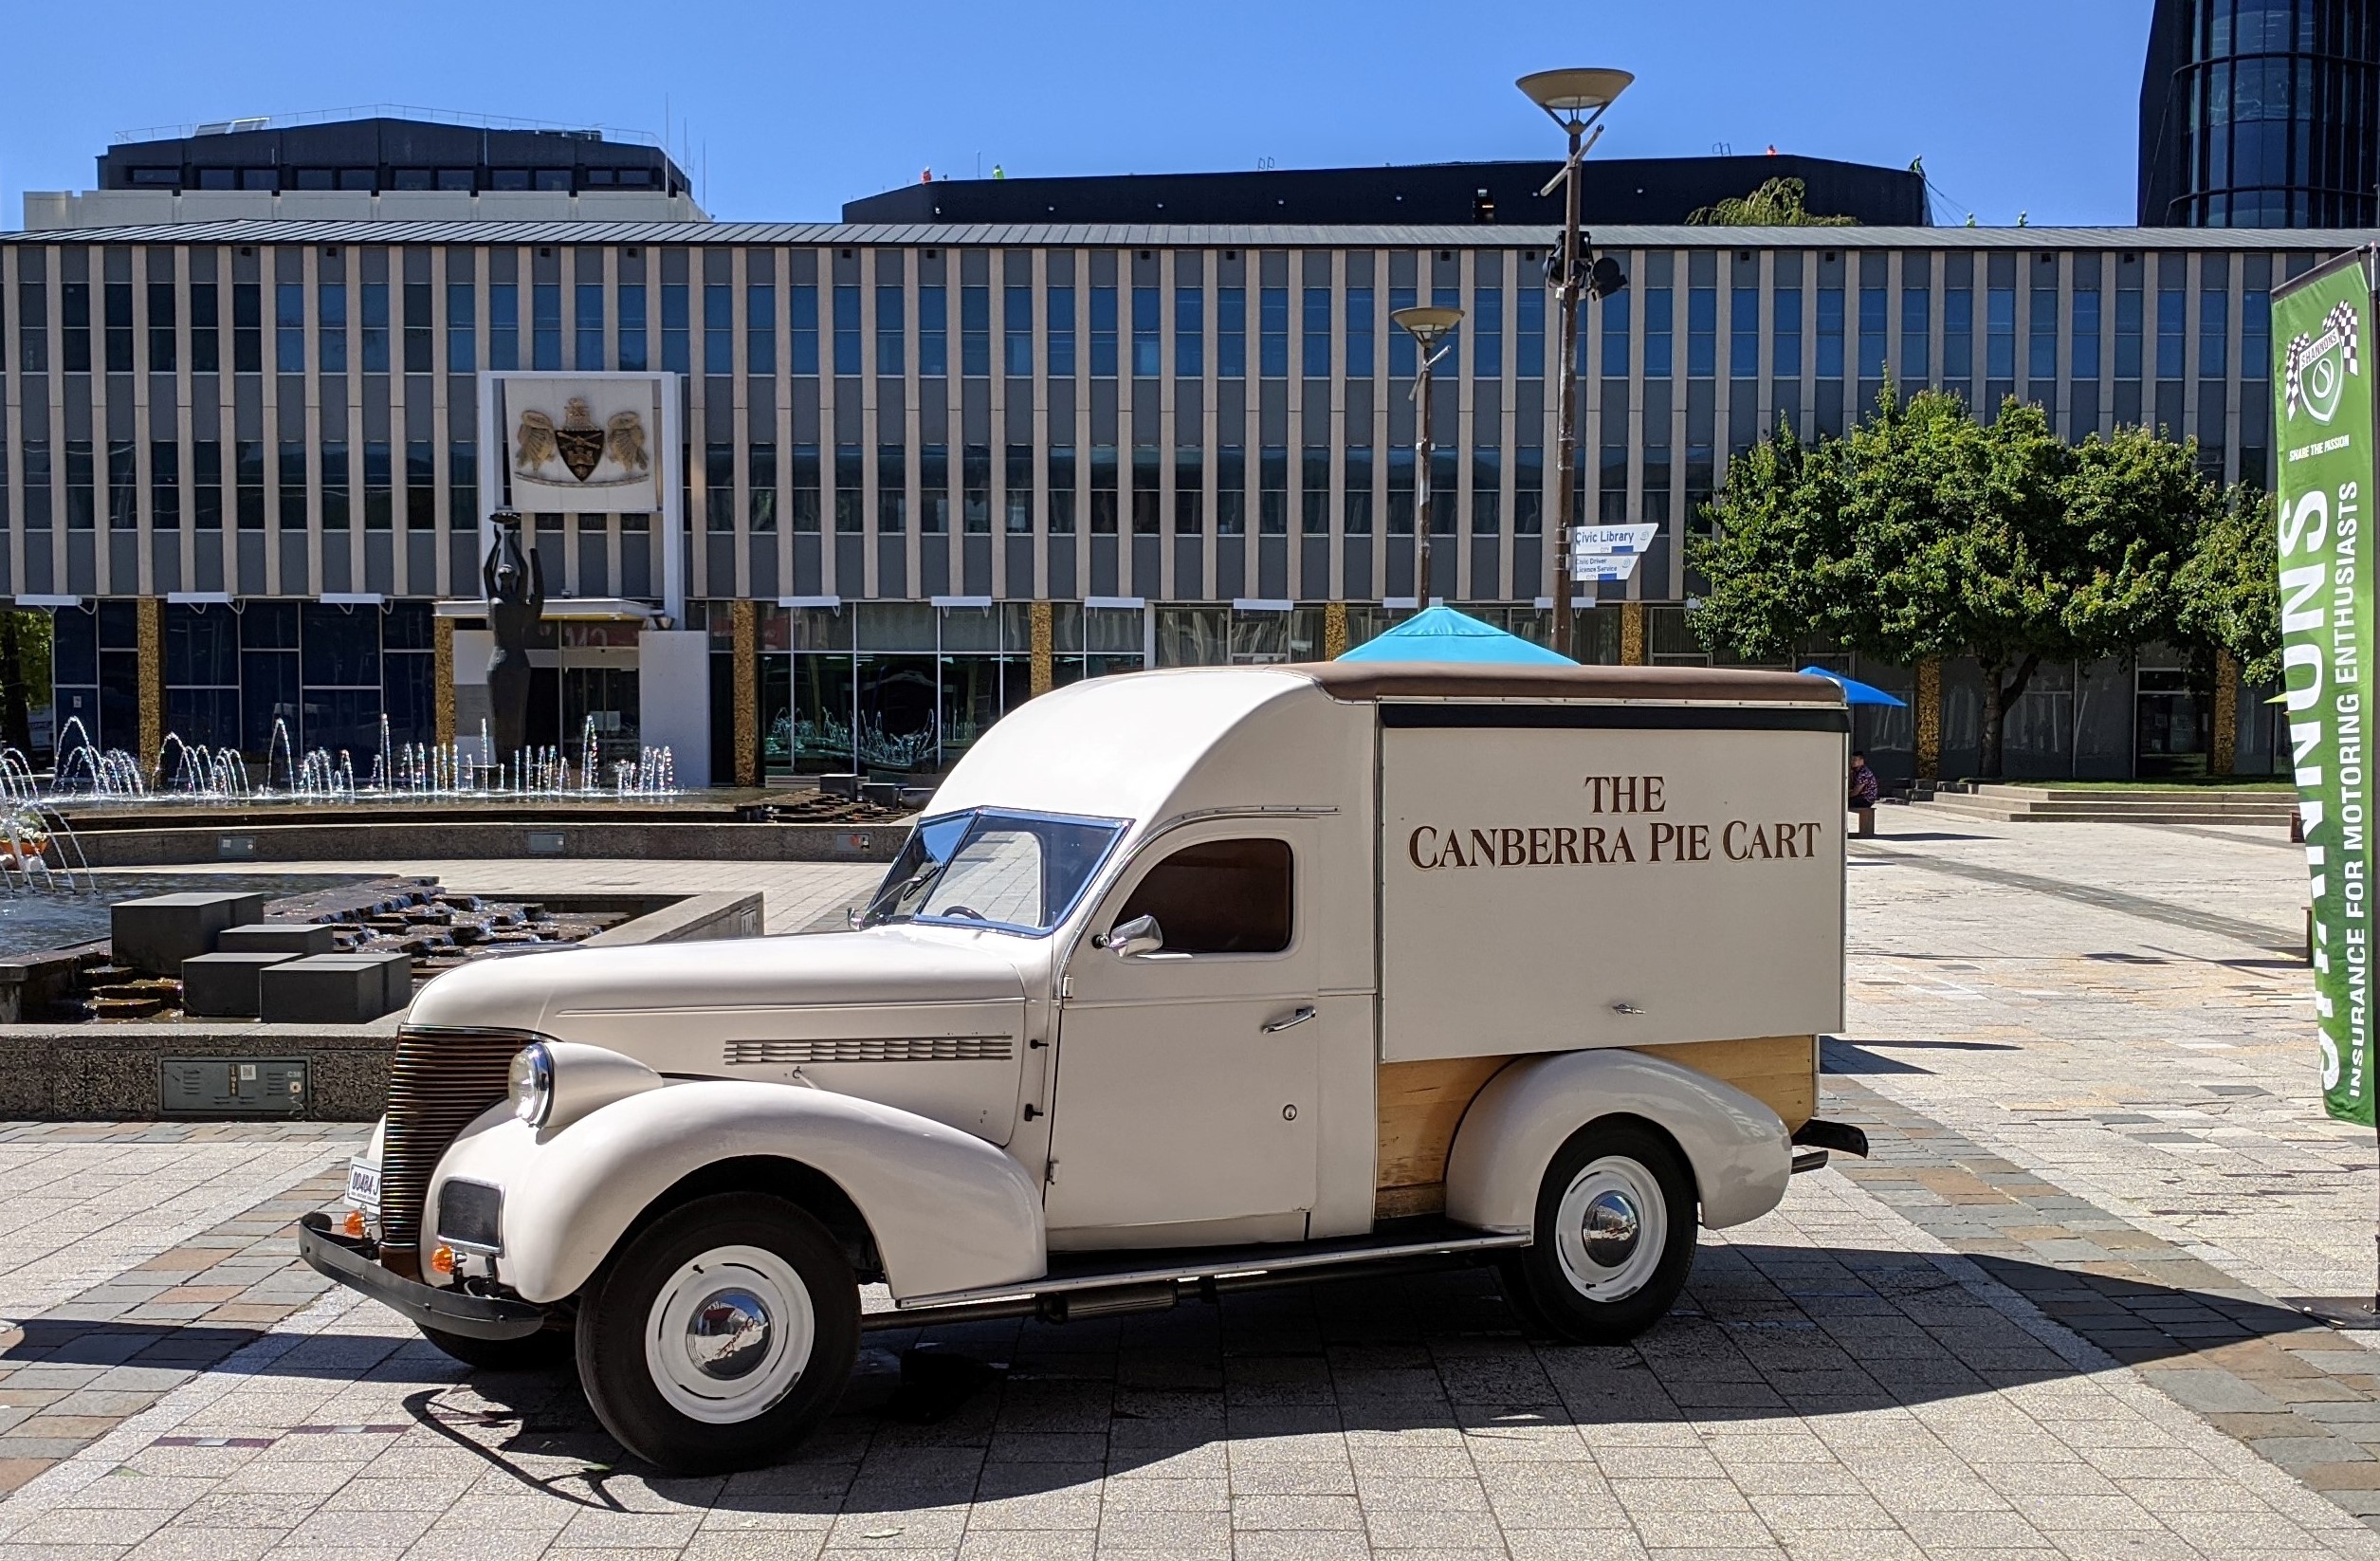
[{"x": 515, "y": 586}]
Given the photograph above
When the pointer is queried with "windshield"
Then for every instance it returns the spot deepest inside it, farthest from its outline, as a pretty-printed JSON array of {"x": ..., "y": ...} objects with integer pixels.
[{"x": 1010, "y": 872}]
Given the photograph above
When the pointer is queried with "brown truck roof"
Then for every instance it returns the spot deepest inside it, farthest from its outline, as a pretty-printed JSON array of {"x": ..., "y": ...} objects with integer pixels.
[{"x": 1357, "y": 681}]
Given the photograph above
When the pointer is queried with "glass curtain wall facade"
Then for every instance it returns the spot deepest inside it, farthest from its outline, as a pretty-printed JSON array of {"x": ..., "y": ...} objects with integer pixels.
[
  {"x": 896, "y": 440},
  {"x": 2261, "y": 114}
]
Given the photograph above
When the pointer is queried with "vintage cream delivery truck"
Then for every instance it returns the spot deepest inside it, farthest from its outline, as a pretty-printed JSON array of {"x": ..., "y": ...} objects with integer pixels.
[{"x": 1189, "y": 980}]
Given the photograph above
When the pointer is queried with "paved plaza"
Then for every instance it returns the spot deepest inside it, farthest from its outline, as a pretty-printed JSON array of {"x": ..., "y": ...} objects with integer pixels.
[{"x": 2058, "y": 1314}]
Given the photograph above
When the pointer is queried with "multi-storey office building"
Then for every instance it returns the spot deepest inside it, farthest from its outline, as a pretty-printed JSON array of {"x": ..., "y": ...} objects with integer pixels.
[{"x": 907, "y": 476}]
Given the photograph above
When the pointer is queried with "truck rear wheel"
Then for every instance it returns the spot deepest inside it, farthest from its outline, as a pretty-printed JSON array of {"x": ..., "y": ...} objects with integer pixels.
[
  {"x": 721, "y": 1335},
  {"x": 1615, "y": 1237}
]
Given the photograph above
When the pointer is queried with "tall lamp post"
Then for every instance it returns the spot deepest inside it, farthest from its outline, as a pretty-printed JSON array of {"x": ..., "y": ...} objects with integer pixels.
[
  {"x": 1429, "y": 326},
  {"x": 1576, "y": 101}
]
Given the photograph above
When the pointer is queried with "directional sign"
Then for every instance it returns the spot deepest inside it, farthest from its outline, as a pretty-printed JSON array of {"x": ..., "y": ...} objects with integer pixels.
[
  {"x": 1618, "y": 541},
  {"x": 1602, "y": 566}
]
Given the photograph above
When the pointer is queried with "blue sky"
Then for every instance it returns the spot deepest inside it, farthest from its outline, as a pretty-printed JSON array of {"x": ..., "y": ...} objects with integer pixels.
[{"x": 785, "y": 110}]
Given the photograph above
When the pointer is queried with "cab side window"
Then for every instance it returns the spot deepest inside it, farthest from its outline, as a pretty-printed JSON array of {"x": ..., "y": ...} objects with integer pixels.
[{"x": 1220, "y": 897}]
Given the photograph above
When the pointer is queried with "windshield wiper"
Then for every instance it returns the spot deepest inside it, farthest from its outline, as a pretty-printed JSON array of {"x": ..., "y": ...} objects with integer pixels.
[{"x": 865, "y": 916}]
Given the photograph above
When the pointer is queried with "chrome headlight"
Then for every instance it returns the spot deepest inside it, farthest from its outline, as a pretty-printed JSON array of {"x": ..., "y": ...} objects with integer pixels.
[{"x": 530, "y": 1083}]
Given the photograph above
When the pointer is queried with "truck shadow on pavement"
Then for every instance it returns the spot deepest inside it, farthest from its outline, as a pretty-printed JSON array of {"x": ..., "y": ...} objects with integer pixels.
[{"x": 1764, "y": 1334}]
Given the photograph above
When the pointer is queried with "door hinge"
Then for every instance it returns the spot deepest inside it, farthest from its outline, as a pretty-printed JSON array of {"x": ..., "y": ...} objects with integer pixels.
[
  {"x": 1032, "y": 1111},
  {"x": 1050, "y": 1172},
  {"x": 1066, "y": 987}
]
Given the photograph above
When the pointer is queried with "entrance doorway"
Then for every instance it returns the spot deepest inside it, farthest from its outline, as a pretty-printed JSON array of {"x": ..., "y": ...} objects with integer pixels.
[{"x": 2170, "y": 724}]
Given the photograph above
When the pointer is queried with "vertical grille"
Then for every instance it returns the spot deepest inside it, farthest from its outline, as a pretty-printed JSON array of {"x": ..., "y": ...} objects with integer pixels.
[{"x": 439, "y": 1081}]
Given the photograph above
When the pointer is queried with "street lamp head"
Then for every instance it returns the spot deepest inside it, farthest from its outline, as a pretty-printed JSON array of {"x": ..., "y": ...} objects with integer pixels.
[
  {"x": 1574, "y": 95},
  {"x": 1428, "y": 324}
]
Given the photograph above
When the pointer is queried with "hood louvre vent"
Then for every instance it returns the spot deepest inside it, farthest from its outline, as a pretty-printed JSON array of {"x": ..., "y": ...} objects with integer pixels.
[{"x": 886, "y": 1049}]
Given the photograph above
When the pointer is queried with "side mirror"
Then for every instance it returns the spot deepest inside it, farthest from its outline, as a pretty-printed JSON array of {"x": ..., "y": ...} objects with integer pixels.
[{"x": 1140, "y": 935}]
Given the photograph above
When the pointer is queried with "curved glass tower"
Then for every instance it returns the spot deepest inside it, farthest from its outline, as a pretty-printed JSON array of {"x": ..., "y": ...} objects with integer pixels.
[{"x": 2260, "y": 113}]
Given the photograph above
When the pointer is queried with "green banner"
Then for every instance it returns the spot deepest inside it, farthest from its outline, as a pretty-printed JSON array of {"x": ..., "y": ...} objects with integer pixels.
[{"x": 2321, "y": 379}]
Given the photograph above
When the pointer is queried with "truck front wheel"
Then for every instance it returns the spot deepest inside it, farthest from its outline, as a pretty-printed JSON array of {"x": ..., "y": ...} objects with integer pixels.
[
  {"x": 1615, "y": 1237},
  {"x": 721, "y": 1335}
]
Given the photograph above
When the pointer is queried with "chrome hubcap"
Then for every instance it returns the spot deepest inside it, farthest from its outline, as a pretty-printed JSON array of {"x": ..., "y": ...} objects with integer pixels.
[
  {"x": 1611, "y": 1228},
  {"x": 728, "y": 1336}
]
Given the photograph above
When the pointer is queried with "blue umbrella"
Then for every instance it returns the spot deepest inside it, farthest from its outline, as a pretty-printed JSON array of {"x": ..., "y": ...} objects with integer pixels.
[
  {"x": 1440, "y": 634},
  {"x": 1855, "y": 692}
]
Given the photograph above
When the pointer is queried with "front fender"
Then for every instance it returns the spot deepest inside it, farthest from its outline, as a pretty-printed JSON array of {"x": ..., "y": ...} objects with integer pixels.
[
  {"x": 948, "y": 1211},
  {"x": 1739, "y": 1149}
]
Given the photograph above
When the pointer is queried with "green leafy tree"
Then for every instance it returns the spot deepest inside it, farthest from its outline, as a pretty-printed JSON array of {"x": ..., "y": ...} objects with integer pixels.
[
  {"x": 2227, "y": 592},
  {"x": 1923, "y": 534},
  {"x": 1775, "y": 204},
  {"x": 25, "y": 673}
]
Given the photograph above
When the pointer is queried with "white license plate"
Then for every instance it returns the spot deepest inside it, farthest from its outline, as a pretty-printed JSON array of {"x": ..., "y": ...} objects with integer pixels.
[{"x": 363, "y": 1185}]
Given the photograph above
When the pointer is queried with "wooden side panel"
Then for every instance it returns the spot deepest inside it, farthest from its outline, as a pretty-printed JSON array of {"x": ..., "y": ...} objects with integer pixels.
[
  {"x": 1422, "y": 1103},
  {"x": 1781, "y": 1072}
]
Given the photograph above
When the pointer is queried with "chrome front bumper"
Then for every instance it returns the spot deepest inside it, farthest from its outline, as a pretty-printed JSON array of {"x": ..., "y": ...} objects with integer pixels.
[{"x": 350, "y": 1262}]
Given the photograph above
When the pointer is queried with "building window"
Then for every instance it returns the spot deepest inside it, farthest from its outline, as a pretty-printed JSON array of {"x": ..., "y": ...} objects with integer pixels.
[
  {"x": 2040, "y": 359},
  {"x": 2172, "y": 322},
  {"x": 205, "y": 485},
  {"x": 1487, "y": 333},
  {"x": 1016, "y": 332},
  {"x": 1313, "y": 479},
  {"x": 849, "y": 481},
  {"x": 1272, "y": 484},
  {"x": 248, "y": 471},
  {"x": 1958, "y": 335},
  {"x": 335, "y": 484},
  {"x": 1272, "y": 332},
  {"x": 677, "y": 355},
  {"x": 759, "y": 461},
  {"x": 545, "y": 325},
  {"x": 330, "y": 301},
  {"x": 461, "y": 357},
  {"x": 1230, "y": 333},
  {"x": 293, "y": 485},
  {"x": 846, "y": 356},
  {"x": 1612, "y": 491},
  {"x": 975, "y": 332},
  {"x": 1147, "y": 489},
  {"x": 1702, "y": 330},
  {"x": 1016, "y": 486},
  {"x": 629, "y": 339},
  {"x": 801, "y": 307},
  {"x": 504, "y": 327},
  {"x": 372, "y": 339},
  {"x": 1445, "y": 489},
  {"x": 1487, "y": 480},
  {"x": 1657, "y": 470},
  {"x": 1401, "y": 356},
  {"x": 1103, "y": 488},
  {"x": 2256, "y": 341},
  {"x": 288, "y": 329},
  {"x": 2128, "y": 333},
  {"x": 2214, "y": 320},
  {"x": 1231, "y": 490},
  {"x": 74, "y": 320},
  {"x": 463, "y": 505},
  {"x": 1190, "y": 331},
  {"x": 1528, "y": 332},
  {"x": 247, "y": 329},
  {"x": 165, "y": 485},
  {"x": 380, "y": 486},
  {"x": 2084, "y": 351},
  {"x": 421, "y": 486},
  {"x": 1660, "y": 332},
  {"x": 1785, "y": 333},
  {"x": 719, "y": 328},
  {"x": 974, "y": 478},
  {"x": 1189, "y": 483},
  {"x": 1061, "y": 475},
  {"x": 1314, "y": 349},
  {"x": 1874, "y": 349},
  {"x": 38, "y": 514},
  {"x": 805, "y": 487},
  {"x": 1916, "y": 364},
  {"x": 587, "y": 351},
  {"x": 161, "y": 352},
  {"x": 892, "y": 488},
  {"x": 719, "y": 485},
  {"x": 1830, "y": 332},
  {"x": 1147, "y": 327},
  {"x": 1744, "y": 333},
  {"x": 120, "y": 327},
  {"x": 891, "y": 331},
  {"x": 2000, "y": 333},
  {"x": 205, "y": 350},
  {"x": 81, "y": 493},
  {"x": 1529, "y": 491},
  {"x": 1400, "y": 499},
  {"x": 1449, "y": 364},
  {"x": 1062, "y": 333},
  {"x": 32, "y": 327},
  {"x": 1103, "y": 333}
]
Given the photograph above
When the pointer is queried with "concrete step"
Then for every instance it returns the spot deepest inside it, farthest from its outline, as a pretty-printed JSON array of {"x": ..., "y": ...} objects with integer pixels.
[{"x": 2166, "y": 810}]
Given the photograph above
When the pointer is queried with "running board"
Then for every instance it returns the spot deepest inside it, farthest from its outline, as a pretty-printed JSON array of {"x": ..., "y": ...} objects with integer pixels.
[{"x": 1099, "y": 1285}]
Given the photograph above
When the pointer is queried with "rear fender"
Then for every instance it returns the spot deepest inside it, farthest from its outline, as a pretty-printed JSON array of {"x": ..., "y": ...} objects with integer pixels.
[
  {"x": 947, "y": 1211},
  {"x": 1738, "y": 1148}
]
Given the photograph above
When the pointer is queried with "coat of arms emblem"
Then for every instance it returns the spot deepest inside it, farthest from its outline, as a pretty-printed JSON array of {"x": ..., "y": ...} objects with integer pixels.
[
  {"x": 2317, "y": 366},
  {"x": 580, "y": 446}
]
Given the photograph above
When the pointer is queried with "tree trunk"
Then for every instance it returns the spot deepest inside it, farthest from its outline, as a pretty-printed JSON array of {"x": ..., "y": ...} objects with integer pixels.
[
  {"x": 2223, "y": 732},
  {"x": 1997, "y": 696}
]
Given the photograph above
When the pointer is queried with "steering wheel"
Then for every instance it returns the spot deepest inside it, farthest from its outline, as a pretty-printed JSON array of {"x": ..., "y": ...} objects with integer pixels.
[{"x": 967, "y": 911}]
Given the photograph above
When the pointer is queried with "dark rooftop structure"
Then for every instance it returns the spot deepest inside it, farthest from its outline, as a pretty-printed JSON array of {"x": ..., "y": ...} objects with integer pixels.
[
  {"x": 377, "y": 155},
  {"x": 1636, "y": 191}
]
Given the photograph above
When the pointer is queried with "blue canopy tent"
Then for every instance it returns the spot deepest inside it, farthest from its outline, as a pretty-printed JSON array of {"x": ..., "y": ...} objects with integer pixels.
[
  {"x": 1440, "y": 634},
  {"x": 1855, "y": 692}
]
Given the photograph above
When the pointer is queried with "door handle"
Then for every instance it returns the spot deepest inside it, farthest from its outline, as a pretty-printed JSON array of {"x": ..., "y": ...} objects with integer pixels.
[{"x": 1292, "y": 1022}]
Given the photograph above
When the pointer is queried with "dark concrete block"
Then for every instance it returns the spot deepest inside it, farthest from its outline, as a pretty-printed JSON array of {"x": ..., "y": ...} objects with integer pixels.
[
  {"x": 915, "y": 797},
  {"x": 276, "y": 938},
  {"x": 395, "y": 969},
  {"x": 159, "y": 933},
  {"x": 333, "y": 989},
  {"x": 226, "y": 985},
  {"x": 884, "y": 794},
  {"x": 845, "y": 786}
]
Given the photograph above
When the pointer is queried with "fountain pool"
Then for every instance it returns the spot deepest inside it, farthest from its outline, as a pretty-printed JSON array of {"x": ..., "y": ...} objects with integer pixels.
[{"x": 31, "y": 923}]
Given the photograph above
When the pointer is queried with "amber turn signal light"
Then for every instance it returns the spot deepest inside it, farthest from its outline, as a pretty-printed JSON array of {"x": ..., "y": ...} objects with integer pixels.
[
  {"x": 352, "y": 1225},
  {"x": 442, "y": 1260}
]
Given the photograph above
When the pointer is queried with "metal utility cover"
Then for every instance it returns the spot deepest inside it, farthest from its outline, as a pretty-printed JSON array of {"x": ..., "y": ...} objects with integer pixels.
[{"x": 232, "y": 1087}]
